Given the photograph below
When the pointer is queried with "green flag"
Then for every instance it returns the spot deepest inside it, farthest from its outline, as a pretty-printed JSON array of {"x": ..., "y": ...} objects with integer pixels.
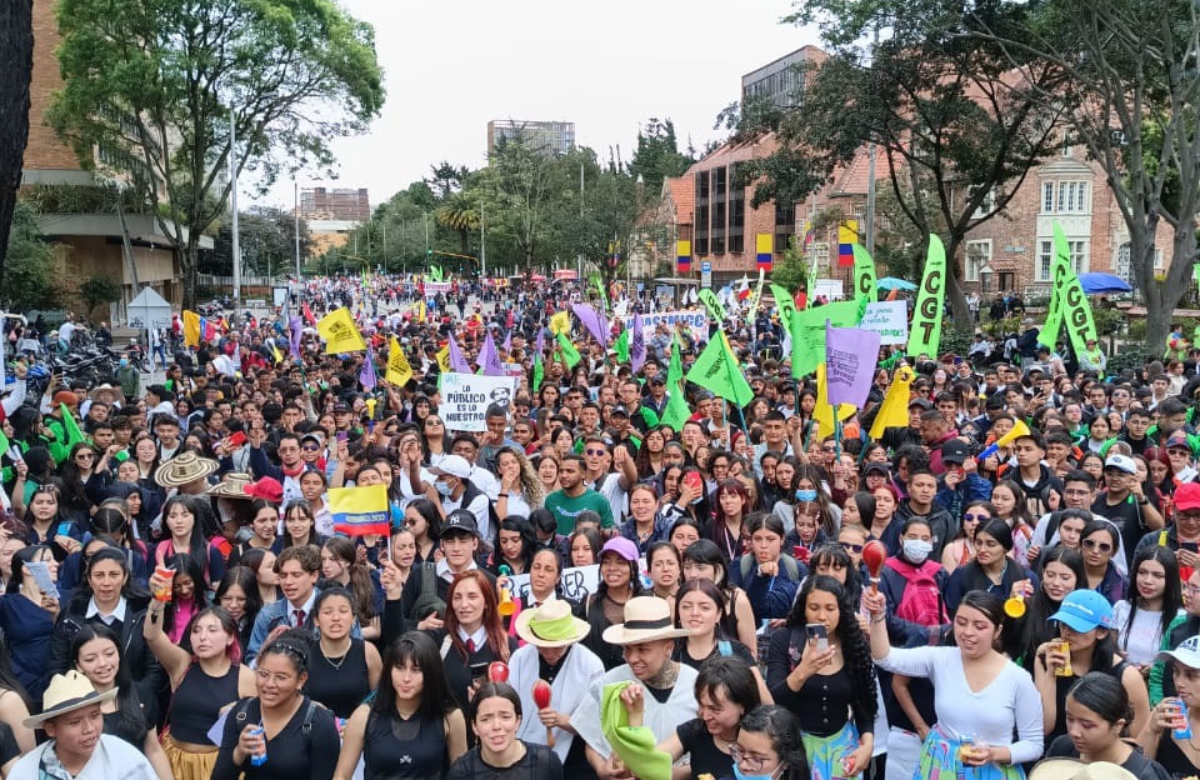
[
  {"x": 1054, "y": 314},
  {"x": 435, "y": 273},
  {"x": 925, "y": 333},
  {"x": 569, "y": 352},
  {"x": 622, "y": 346},
  {"x": 864, "y": 274},
  {"x": 1074, "y": 309},
  {"x": 677, "y": 411},
  {"x": 539, "y": 372},
  {"x": 717, "y": 370},
  {"x": 808, "y": 332},
  {"x": 713, "y": 304},
  {"x": 71, "y": 427},
  {"x": 785, "y": 304},
  {"x": 5, "y": 444}
]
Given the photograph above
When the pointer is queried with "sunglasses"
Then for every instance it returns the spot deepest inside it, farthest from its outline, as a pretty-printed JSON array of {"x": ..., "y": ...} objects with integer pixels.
[
  {"x": 433, "y": 422},
  {"x": 852, "y": 548},
  {"x": 978, "y": 518},
  {"x": 1092, "y": 544},
  {"x": 594, "y": 452},
  {"x": 311, "y": 448}
]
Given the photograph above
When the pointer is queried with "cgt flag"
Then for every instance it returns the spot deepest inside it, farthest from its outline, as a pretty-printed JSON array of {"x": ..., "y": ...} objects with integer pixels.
[
  {"x": 717, "y": 370},
  {"x": 340, "y": 333},
  {"x": 360, "y": 511},
  {"x": 637, "y": 350},
  {"x": 1074, "y": 310},
  {"x": 850, "y": 356},
  {"x": 398, "y": 370},
  {"x": 864, "y": 274},
  {"x": 925, "y": 333}
]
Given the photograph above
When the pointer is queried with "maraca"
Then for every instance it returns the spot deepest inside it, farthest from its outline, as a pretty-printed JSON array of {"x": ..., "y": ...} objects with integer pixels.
[
  {"x": 874, "y": 554},
  {"x": 541, "y": 697},
  {"x": 498, "y": 671}
]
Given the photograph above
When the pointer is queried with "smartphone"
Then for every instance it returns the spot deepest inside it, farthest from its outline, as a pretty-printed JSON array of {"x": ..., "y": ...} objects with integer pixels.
[
  {"x": 1190, "y": 546},
  {"x": 342, "y": 436},
  {"x": 801, "y": 553},
  {"x": 478, "y": 672},
  {"x": 237, "y": 439},
  {"x": 817, "y": 635},
  {"x": 693, "y": 480},
  {"x": 64, "y": 529}
]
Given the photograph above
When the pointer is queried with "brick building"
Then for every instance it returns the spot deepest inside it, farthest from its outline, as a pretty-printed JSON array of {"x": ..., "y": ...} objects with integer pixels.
[
  {"x": 347, "y": 205},
  {"x": 89, "y": 244},
  {"x": 1013, "y": 250}
]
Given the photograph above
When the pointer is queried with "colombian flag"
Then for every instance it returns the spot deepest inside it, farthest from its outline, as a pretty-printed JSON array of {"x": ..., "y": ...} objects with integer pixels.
[
  {"x": 359, "y": 511},
  {"x": 847, "y": 238}
]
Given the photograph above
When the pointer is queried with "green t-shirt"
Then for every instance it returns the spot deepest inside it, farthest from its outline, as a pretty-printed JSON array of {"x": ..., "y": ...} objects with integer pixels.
[{"x": 565, "y": 509}]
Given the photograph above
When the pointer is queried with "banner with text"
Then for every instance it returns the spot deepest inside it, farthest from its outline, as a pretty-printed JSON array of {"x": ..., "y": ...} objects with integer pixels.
[
  {"x": 433, "y": 288},
  {"x": 466, "y": 398},
  {"x": 696, "y": 320},
  {"x": 889, "y": 319}
]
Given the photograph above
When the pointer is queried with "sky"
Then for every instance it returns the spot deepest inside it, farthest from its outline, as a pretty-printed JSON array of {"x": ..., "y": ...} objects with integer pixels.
[{"x": 451, "y": 66}]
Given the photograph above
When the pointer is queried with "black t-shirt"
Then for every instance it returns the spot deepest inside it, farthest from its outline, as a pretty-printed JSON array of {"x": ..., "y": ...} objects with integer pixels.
[
  {"x": 1137, "y": 764},
  {"x": 1127, "y": 515},
  {"x": 291, "y": 754},
  {"x": 705, "y": 756},
  {"x": 735, "y": 649},
  {"x": 9, "y": 749},
  {"x": 538, "y": 763}
]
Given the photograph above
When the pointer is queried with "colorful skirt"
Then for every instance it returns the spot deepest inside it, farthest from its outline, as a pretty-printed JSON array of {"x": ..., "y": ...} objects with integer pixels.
[
  {"x": 939, "y": 761},
  {"x": 825, "y": 754}
]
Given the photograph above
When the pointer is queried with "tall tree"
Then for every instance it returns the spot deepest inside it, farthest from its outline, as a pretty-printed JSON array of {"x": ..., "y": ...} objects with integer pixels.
[
  {"x": 657, "y": 154},
  {"x": 267, "y": 237},
  {"x": 1130, "y": 97},
  {"x": 518, "y": 187},
  {"x": 16, "y": 63},
  {"x": 152, "y": 86},
  {"x": 956, "y": 131}
]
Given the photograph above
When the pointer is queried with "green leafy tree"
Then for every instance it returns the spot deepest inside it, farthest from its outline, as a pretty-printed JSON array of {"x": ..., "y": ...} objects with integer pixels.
[
  {"x": 30, "y": 279},
  {"x": 657, "y": 155},
  {"x": 152, "y": 87},
  {"x": 267, "y": 239},
  {"x": 16, "y": 63},
  {"x": 97, "y": 291}
]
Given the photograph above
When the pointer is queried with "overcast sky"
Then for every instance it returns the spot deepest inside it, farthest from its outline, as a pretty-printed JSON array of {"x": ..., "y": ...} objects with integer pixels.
[{"x": 451, "y": 66}]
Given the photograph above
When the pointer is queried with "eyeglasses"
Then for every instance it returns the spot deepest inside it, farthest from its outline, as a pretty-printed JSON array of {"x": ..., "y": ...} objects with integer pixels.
[
  {"x": 1092, "y": 544},
  {"x": 311, "y": 448},
  {"x": 978, "y": 518},
  {"x": 433, "y": 422},
  {"x": 594, "y": 452},
  {"x": 852, "y": 548},
  {"x": 753, "y": 763},
  {"x": 85, "y": 455}
]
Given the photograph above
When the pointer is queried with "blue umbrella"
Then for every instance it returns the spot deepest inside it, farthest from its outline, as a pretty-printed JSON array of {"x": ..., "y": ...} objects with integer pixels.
[
  {"x": 1100, "y": 283},
  {"x": 892, "y": 283}
]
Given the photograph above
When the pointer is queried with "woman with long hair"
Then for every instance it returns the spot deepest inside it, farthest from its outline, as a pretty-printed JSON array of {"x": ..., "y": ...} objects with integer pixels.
[
  {"x": 238, "y": 595},
  {"x": 185, "y": 536},
  {"x": 620, "y": 581},
  {"x": 700, "y": 607},
  {"x": 412, "y": 729},
  {"x": 499, "y": 755},
  {"x": 520, "y": 489},
  {"x": 1100, "y": 542},
  {"x": 728, "y": 523},
  {"x": 960, "y": 550},
  {"x": 834, "y": 560},
  {"x": 703, "y": 560},
  {"x": 74, "y": 472},
  {"x": 769, "y": 576},
  {"x": 205, "y": 674},
  {"x": 548, "y": 465},
  {"x": 829, "y": 685},
  {"x": 262, "y": 564},
  {"x": 48, "y": 525},
  {"x": 300, "y": 526},
  {"x": 645, "y": 526},
  {"x": 982, "y": 698},
  {"x": 313, "y": 485},
  {"x": 1062, "y": 572},
  {"x": 264, "y": 530},
  {"x": 403, "y": 553},
  {"x": 583, "y": 547},
  {"x": 665, "y": 566},
  {"x": 886, "y": 501},
  {"x": 1155, "y": 599},
  {"x": 515, "y": 546},
  {"x": 769, "y": 745},
  {"x": 27, "y": 616},
  {"x": 345, "y": 669},
  {"x": 1087, "y": 643},
  {"x": 96, "y": 654},
  {"x": 1098, "y": 714},
  {"x": 425, "y": 521},
  {"x": 727, "y": 689},
  {"x": 992, "y": 571},
  {"x": 649, "y": 461},
  {"x": 188, "y": 596},
  {"x": 340, "y": 568},
  {"x": 435, "y": 440}
]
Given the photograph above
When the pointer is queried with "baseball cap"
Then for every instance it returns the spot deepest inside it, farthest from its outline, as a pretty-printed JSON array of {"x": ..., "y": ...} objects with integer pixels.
[
  {"x": 921, "y": 402},
  {"x": 622, "y": 547},
  {"x": 454, "y": 466},
  {"x": 1084, "y": 610},
  {"x": 877, "y": 468},
  {"x": 460, "y": 521},
  {"x": 1121, "y": 463},
  {"x": 619, "y": 409},
  {"x": 955, "y": 451},
  {"x": 1187, "y": 498},
  {"x": 1187, "y": 653},
  {"x": 1178, "y": 439},
  {"x": 341, "y": 407}
]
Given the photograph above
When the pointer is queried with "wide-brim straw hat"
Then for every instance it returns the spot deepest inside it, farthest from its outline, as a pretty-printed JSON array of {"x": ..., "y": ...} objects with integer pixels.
[
  {"x": 67, "y": 693},
  {"x": 647, "y": 619},
  {"x": 186, "y": 468},
  {"x": 1073, "y": 769},
  {"x": 551, "y": 625},
  {"x": 233, "y": 486}
]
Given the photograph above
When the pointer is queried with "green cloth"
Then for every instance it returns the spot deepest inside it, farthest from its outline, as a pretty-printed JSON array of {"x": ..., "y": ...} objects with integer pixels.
[
  {"x": 717, "y": 370},
  {"x": 677, "y": 411},
  {"x": 570, "y": 354},
  {"x": 634, "y": 744},
  {"x": 1158, "y": 669},
  {"x": 566, "y": 509}
]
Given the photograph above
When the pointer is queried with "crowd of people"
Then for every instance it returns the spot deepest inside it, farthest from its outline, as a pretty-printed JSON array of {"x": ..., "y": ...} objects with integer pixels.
[{"x": 583, "y": 588}]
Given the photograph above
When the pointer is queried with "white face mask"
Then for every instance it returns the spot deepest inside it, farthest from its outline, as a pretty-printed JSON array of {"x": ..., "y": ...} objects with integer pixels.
[{"x": 917, "y": 550}]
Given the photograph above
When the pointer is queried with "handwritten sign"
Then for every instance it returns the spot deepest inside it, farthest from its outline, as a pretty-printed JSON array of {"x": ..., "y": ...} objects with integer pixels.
[{"x": 889, "y": 319}]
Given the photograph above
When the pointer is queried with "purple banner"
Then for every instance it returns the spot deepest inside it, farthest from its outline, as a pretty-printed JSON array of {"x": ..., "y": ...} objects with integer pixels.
[{"x": 850, "y": 358}]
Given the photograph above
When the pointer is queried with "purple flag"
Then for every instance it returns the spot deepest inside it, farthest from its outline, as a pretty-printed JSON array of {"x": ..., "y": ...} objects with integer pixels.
[
  {"x": 366, "y": 377},
  {"x": 489, "y": 358},
  {"x": 594, "y": 321},
  {"x": 507, "y": 346},
  {"x": 458, "y": 363},
  {"x": 637, "y": 350},
  {"x": 539, "y": 350},
  {"x": 296, "y": 325},
  {"x": 850, "y": 358}
]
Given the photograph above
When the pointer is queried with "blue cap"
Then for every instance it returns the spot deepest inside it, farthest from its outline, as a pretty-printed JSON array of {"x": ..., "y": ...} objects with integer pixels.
[{"x": 1084, "y": 610}]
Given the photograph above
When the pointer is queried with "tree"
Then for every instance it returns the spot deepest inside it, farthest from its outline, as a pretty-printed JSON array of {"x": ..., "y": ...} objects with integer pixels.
[
  {"x": 154, "y": 87},
  {"x": 97, "y": 291},
  {"x": 16, "y": 63},
  {"x": 30, "y": 278},
  {"x": 460, "y": 213},
  {"x": 956, "y": 132},
  {"x": 267, "y": 239},
  {"x": 657, "y": 155},
  {"x": 518, "y": 187},
  {"x": 1130, "y": 97}
]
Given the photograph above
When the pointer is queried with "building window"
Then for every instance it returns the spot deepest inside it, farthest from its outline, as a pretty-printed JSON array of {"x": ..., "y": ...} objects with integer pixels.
[
  {"x": 718, "y": 244},
  {"x": 1047, "y": 197},
  {"x": 783, "y": 214},
  {"x": 820, "y": 253},
  {"x": 1158, "y": 259},
  {"x": 1079, "y": 258},
  {"x": 979, "y": 254},
  {"x": 1072, "y": 197},
  {"x": 1123, "y": 269},
  {"x": 987, "y": 205},
  {"x": 718, "y": 176}
]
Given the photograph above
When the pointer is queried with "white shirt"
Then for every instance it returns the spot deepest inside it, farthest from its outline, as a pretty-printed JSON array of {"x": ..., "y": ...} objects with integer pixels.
[
  {"x": 306, "y": 608},
  {"x": 112, "y": 758},
  {"x": 660, "y": 718},
  {"x": 117, "y": 614}
]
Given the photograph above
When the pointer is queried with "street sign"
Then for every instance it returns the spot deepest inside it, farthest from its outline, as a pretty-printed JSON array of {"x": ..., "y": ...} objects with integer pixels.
[{"x": 705, "y": 273}]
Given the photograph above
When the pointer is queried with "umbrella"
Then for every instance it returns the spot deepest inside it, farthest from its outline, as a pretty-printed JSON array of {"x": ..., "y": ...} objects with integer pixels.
[
  {"x": 892, "y": 283},
  {"x": 1100, "y": 283}
]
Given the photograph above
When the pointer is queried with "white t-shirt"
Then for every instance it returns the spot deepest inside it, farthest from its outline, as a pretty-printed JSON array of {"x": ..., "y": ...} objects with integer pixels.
[{"x": 1141, "y": 641}]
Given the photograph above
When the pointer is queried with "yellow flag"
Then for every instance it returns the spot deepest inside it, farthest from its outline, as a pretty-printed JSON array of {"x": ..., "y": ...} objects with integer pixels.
[
  {"x": 191, "y": 329},
  {"x": 340, "y": 333},
  {"x": 421, "y": 312},
  {"x": 823, "y": 412},
  {"x": 443, "y": 359},
  {"x": 893, "y": 412},
  {"x": 278, "y": 354},
  {"x": 398, "y": 370},
  {"x": 560, "y": 323}
]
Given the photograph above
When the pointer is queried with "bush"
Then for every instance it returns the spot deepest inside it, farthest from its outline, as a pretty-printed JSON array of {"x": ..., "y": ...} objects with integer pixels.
[
  {"x": 955, "y": 341},
  {"x": 1133, "y": 355}
]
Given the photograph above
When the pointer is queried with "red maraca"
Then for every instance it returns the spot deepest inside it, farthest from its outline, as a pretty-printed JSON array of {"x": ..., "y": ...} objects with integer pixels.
[
  {"x": 498, "y": 671},
  {"x": 874, "y": 554},
  {"x": 541, "y": 697}
]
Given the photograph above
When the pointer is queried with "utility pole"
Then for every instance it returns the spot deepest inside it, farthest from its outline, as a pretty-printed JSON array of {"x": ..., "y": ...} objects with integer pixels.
[
  {"x": 237, "y": 252},
  {"x": 579, "y": 257},
  {"x": 296, "y": 185},
  {"x": 385, "y": 262},
  {"x": 482, "y": 240},
  {"x": 870, "y": 216}
]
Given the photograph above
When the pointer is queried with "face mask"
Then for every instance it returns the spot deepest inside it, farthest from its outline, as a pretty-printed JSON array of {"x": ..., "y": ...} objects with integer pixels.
[
  {"x": 739, "y": 775},
  {"x": 917, "y": 551},
  {"x": 124, "y": 362},
  {"x": 806, "y": 495},
  {"x": 443, "y": 488}
]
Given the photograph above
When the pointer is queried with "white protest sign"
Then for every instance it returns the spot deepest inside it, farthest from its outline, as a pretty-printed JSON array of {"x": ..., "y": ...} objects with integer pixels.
[
  {"x": 466, "y": 398},
  {"x": 576, "y": 583},
  {"x": 433, "y": 288},
  {"x": 829, "y": 289},
  {"x": 889, "y": 319},
  {"x": 696, "y": 320}
]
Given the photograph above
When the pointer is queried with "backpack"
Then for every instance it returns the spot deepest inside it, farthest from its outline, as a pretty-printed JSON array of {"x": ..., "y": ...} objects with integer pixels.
[
  {"x": 428, "y": 601},
  {"x": 788, "y": 567},
  {"x": 239, "y": 717},
  {"x": 921, "y": 601}
]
